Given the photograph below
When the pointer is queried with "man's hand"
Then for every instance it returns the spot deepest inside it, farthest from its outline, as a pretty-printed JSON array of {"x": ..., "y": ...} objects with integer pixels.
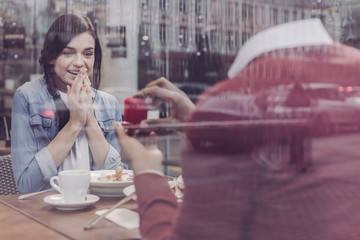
[
  {"x": 135, "y": 154},
  {"x": 163, "y": 90}
]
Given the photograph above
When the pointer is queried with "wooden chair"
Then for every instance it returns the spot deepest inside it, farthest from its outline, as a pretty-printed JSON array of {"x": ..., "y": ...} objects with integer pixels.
[{"x": 7, "y": 181}]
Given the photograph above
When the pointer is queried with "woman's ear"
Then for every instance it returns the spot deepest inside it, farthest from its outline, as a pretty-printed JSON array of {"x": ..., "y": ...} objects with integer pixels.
[{"x": 52, "y": 62}]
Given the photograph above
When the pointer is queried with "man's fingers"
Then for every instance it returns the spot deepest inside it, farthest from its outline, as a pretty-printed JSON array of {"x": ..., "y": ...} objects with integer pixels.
[
  {"x": 153, "y": 141},
  {"x": 165, "y": 84},
  {"x": 160, "y": 120},
  {"x": 156, "y": 92},
  {"x": 119, "y": 130}
]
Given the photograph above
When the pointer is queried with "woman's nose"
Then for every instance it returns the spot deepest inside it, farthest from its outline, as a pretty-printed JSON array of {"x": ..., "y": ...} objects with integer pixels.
[{"x": 78, "y": 60}]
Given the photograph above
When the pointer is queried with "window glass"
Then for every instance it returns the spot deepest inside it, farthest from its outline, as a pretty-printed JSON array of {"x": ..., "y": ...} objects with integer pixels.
[
  {"x": 195, "y": 45},
  {"x": 163, "y": 4}
]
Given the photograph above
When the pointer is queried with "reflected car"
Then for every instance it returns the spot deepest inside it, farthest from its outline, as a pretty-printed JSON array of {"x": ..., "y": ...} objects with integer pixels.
[{"x": 325, "y": 103}]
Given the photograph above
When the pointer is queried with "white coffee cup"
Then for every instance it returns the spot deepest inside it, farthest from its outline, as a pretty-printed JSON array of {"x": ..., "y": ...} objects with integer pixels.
[{"x": 72, "y": 184}]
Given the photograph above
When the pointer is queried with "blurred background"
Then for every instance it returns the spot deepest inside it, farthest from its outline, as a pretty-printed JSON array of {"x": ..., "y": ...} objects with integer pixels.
[{"x": 191, "y": 42}]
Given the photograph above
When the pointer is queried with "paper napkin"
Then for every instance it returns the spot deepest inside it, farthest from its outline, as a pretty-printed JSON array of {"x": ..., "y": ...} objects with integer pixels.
[{"x": 123, "y": 217}]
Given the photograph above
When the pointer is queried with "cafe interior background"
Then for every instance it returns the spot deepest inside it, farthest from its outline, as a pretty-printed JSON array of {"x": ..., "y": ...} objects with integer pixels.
[{"x": 190, "y": 42}]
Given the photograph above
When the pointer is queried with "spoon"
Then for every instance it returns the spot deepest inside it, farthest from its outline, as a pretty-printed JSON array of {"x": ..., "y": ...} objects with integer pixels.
[
  {"x": 90, "y": 224},
  {"x": 34, "y": 193}
]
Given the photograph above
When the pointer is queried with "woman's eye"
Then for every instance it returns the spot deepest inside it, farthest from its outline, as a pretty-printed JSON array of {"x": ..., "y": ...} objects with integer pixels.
[
  {"x": 66, "y": 53},
  {"x": 88, "y": 54}
]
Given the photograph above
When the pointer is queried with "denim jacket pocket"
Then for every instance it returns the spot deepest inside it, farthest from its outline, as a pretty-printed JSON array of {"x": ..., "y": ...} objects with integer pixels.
[
  {"x": 40, "y": 120},
  {"x": 106, "y": 126},
  {"x": 42, "y": 130}
]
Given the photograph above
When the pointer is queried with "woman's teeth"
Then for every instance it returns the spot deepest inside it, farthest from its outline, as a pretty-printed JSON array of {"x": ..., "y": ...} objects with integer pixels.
[{"x": 72, "y": 72}]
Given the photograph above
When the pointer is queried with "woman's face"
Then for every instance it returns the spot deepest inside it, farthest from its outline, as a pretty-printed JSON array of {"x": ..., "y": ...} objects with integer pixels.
[{"x": 78, "y": 54}]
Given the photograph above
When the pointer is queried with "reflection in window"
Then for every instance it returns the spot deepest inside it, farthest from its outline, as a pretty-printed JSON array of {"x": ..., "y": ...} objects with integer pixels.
[
  {"x": 145, "y": 4},
  {"x": 294, "y": 15},
  {"x": 162, "y": 33},
  {"x": 237, "y": 12},
  {"x": 229, "y": 10},
  {"x": 198, "y": 7},
  {"x": 163, "y": 4},
  {"x": 161, "y": 63},
  {"x": 198, "y": 36},
  {"x": 213, "y": 39},
  {"x": 161, "y": 23},
  {"x": 230, "y": 39},
  {"x": 286, "y": 16},
  {"x": 116, "y": 40},
  {"x": 182, "y": 6},
  {"x": 275, "y": 16},
  {"x": 183, "y": 36},
  {"x": 257, "y": 15},
  {"x": 183, "y": 68},
  {"x": 244, "y": 37},
  {"x": 244, "y": 11},
  {"x": 250, "y": 12},
  {"x": 263, "y": 15},
  {"x": 213, "y": 14},
  {"x": 237, "y": 42},
  {"x": 145, "y": 29}
]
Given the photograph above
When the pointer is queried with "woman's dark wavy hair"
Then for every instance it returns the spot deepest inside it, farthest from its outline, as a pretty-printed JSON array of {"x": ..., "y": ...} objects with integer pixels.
[{"x": 61, "y": 32}]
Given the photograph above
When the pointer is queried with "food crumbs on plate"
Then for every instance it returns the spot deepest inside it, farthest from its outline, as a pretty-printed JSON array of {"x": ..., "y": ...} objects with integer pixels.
[
  {"x": 118, "y": 170},
  {"x": 118, "y": 176}
]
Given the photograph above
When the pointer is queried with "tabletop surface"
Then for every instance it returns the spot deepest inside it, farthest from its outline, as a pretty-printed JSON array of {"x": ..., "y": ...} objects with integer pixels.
[{"x": 32, "y": 216}]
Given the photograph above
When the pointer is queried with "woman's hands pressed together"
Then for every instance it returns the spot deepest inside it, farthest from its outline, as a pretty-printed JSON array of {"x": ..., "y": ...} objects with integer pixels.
[
  {"x": 82, "y": 114},
  {"x": 79, "y": 100}
]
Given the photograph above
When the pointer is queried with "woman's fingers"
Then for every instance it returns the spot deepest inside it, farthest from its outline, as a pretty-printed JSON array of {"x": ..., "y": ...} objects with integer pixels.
[
  {"x": 79, "y": 98},
  {"x": 88, "y": 82},
  {"x": 77, "y": 84}
]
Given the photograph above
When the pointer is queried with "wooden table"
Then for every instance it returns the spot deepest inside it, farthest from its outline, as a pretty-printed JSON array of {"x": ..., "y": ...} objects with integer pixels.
[{"x": 32, "y": 218}]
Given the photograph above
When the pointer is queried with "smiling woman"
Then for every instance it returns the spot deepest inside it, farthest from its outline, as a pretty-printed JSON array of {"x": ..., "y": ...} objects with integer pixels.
[
  {"x": 78, "y": 134},
  {"x": 77, "y": 55}
]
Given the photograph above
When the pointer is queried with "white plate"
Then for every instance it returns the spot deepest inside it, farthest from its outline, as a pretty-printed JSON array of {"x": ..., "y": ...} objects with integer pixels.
[
  {"x": 131, "y": 188},
  {"x": 57, "y": 200},
  {"x": 108, "y": 189}
]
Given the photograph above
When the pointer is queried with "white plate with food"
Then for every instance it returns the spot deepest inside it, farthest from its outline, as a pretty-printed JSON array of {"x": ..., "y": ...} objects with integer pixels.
[{"x": 110, "y": 183}]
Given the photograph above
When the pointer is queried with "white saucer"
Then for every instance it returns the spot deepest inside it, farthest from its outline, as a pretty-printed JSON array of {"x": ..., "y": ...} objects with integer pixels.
[{"x": 57, "y": 200}]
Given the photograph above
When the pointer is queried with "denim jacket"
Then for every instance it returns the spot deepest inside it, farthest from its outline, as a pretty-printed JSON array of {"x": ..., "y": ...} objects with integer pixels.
[{"x": 34, "y": 125}]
